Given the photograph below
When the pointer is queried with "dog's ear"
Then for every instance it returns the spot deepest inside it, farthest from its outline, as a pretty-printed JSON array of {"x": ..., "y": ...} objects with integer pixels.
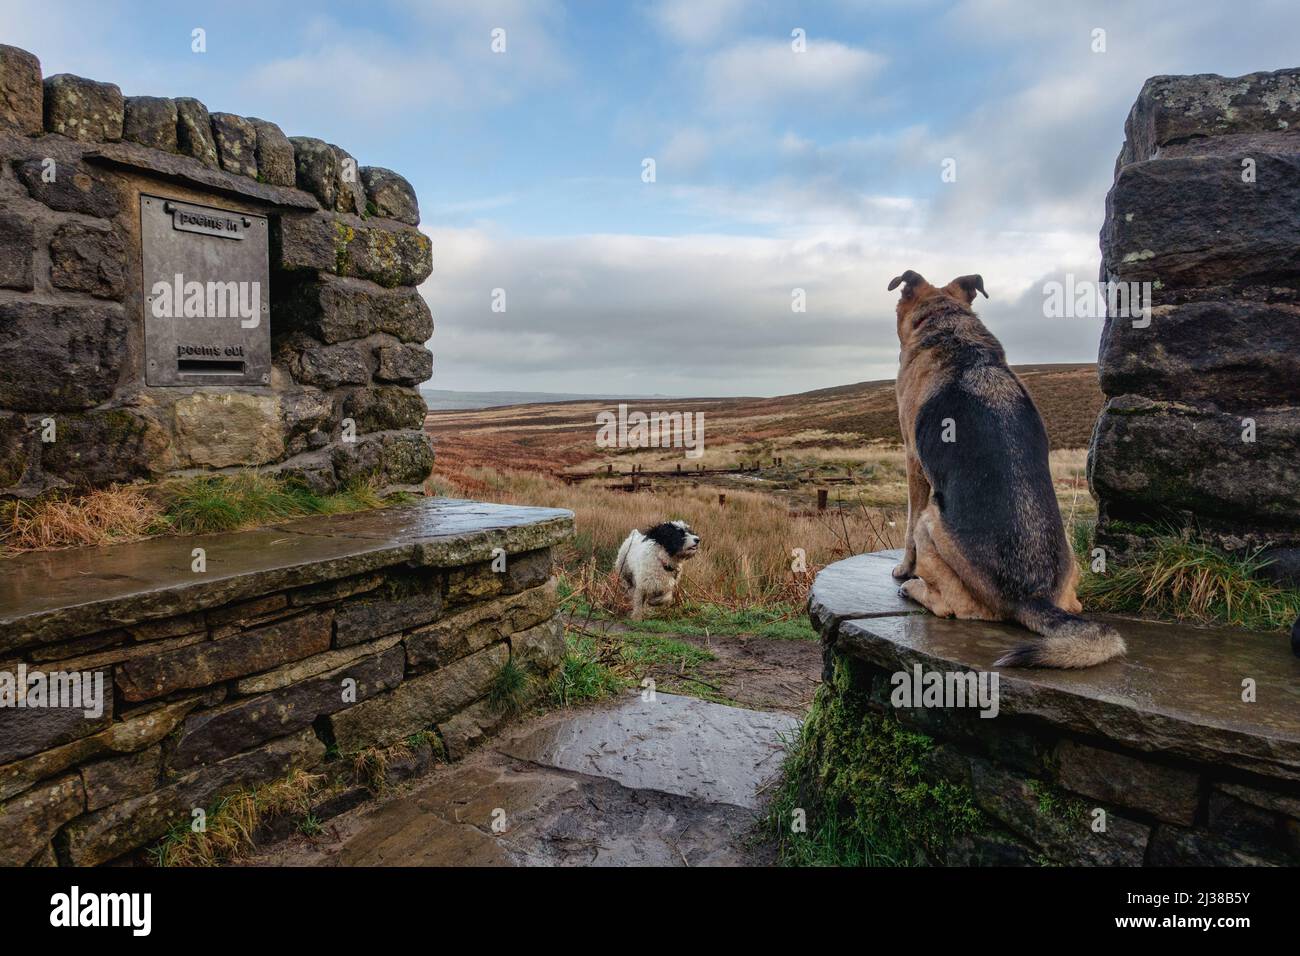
[
  {"x": 668, "y": 536},
  {"x": 967, "y": 286},
  {"x": 909, "y": 280}
]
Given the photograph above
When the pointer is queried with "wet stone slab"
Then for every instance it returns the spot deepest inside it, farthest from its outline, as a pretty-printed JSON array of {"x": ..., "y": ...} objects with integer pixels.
[
  {"x": 1179, "y": 689},
  {"x": 856, "y": 587},
  {"x": 674, "y": 783},
  {"x": 57, "y": 595},
  {"x": 679, "y": 745}
]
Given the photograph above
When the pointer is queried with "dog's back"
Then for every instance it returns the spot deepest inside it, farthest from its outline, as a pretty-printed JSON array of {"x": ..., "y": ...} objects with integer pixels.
[
  {"x": 620, "y": 563},
  {"x": 992, "y": 483},
  {"x": 982, "y": 447}
]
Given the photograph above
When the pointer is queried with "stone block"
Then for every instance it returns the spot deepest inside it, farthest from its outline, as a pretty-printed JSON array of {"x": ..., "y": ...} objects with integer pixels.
[
  {"x": 408, "y": 364},
  {"x": 461, "y": 634},
  {"x": 1193, "y": 222},
  {"x": 464, "y": 731},
  {"x": 386, "y": 253},
  {"x": 311, "y": 667},
  {"x": 210, "y": 735},
  {"x": 151, "y": 121},
  {"x": 117, "y": 829},
  {"x": 403, "y": 602},
  {"x": 275, "y": 162},
  {"x": 328, "y": 366},
  {"x": 120, "y": 778},
  {"x": 21, "y": 91},
  {"x": 31, "y": 729},
  {"x": 179, "y": 626},
  {"x": 418, "y": 703},
  {"x": 385, "y": 408},
  {"x": 1063, "y": 832},
  {"x": 332, "y": 309},
  {"x": 75, "y": 187},
  {"x": 408, "y": 459},
  {"x": 17, "y": 247},
  {"x": 236, "y": 141},
  {"x": 351, "y": 195},
  {"x": 228, "y": 429},
  {"x": 83, "y": 109},
  {"x": 1237, "y": 354},
  {"x": 335, "y": 590},
  {"x": 1175, "y": 109},
  {"x": 390, "y": 195},
  {"x": 1166, "y": 793},
  {"x": 194, "y": 131},
  {"x": 527, "y": 570},
  {"x": 29, "y": 822},
  {"x": 539, "y": 649},
  {"x": 1157, "y": 455},
  {"x": 133, "y": 733},
  {"x": 235, "y": 617},
  {"x": 316, "y": 169},
  {"x": 105, "y": 445},
  {"x": 88, "y": 259},
  {"x": 308, "y": 416},
  {"x": 210, "y": 662}
]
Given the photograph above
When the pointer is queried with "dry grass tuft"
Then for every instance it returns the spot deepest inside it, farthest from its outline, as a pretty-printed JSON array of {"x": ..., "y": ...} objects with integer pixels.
[
  {"x": 118, "y": 513},
  {"x": 228, "y": 834},
  {"x": 750, "y": 543}
]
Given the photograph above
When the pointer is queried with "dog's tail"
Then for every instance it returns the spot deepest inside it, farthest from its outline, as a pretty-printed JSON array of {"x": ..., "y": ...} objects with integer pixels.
[{"x": 1069, "y": 640}]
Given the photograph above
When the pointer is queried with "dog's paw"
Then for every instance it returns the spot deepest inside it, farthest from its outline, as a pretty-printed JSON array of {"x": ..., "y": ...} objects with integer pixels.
[{"x": 903, "y": 570}]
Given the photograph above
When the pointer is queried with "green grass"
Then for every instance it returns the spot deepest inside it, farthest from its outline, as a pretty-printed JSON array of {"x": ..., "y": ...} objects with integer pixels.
[
  {"x": 1181, "y": 579},
  {"x": 672, "y": 664},
  {"x": 508, "y": 693},
  {"x": 856, "y": 775},
  {"x": 585, "y": 675},
  {"x": 776, "y": 622},
  {"x": 208, "y": 503}
]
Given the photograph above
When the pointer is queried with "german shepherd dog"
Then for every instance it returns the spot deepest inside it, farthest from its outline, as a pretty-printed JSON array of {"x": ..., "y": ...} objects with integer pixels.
[{"x": 984, "y": 535}]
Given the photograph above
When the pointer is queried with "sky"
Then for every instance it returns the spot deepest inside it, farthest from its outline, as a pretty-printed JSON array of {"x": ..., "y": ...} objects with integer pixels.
[{"x": 776, "y": 169}]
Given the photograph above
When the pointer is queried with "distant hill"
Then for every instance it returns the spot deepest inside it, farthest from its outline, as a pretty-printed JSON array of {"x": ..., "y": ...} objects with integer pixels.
[
  {"x": 550, "y": 435},
  {"x": 446, "y": 399}
]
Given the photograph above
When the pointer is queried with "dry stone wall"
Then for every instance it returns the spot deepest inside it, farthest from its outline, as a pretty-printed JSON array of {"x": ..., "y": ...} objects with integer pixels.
[
  {"x": 327, "y": 638},
  {"x": 347, "y": 326},
  {"x": 1201, "y": 426}
]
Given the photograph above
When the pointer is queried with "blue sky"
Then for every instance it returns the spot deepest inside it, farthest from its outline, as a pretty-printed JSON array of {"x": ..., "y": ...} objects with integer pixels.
[{"x": 775, "y": 170}]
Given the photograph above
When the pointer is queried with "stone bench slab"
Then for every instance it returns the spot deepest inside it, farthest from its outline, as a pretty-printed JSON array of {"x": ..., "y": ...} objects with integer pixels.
[
  {"x": 1178, "y": 689},
  {"x": 48, "y": 596}
]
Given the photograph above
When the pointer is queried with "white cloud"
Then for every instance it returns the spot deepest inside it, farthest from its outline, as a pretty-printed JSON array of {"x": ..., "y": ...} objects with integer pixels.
[
  {"x": 711, "y": 315},
  {"x": 758, "y": 73},
  {"x": 696, "y": 21}
]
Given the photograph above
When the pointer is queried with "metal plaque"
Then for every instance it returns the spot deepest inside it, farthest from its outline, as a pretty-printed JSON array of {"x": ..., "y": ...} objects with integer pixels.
[{"x": 206, "y": 294}]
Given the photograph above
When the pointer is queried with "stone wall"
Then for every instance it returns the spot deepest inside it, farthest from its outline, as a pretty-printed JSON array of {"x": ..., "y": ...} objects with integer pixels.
[
  {"x": 347, "y": 325},
  {"x": 1202, "y": 421},
  {"x": 1164, "y": 746},
  {"x": 294, "y": 648}
]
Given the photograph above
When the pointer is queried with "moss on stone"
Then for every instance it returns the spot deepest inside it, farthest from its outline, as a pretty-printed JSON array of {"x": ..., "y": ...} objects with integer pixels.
[
  {"x": 1057, "y": 804},
  {"x": 854, "y": 778}
]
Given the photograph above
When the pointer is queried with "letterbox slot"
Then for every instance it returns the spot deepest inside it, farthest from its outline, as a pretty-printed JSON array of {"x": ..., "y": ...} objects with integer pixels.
[{"x": 209, "y": 367}]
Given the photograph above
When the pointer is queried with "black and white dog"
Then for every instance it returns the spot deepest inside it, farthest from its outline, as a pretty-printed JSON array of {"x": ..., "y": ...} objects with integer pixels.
[{"x": 649, "y": 564}]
